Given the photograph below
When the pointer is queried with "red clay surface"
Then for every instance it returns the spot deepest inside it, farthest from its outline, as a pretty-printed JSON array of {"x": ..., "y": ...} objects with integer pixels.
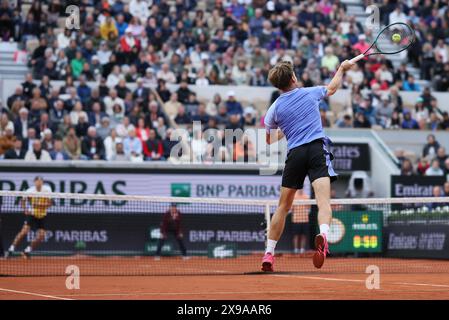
[{"x": 143, "y": 278}]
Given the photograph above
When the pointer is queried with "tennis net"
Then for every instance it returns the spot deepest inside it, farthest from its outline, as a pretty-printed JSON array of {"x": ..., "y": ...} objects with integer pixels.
[{"x": 145, "y": 235}]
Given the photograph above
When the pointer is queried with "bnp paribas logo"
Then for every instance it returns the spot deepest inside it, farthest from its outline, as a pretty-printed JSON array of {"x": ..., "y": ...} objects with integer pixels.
[{"x": 181, "y": 190}]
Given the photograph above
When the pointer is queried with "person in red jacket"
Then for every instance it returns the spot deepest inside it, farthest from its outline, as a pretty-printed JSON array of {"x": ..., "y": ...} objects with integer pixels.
[
  {"x": 130, "y": 45},
  {"x": 128, "y": 42},
  {"x": 171, "y": 223},
  {"x": 153, "y": 148}
]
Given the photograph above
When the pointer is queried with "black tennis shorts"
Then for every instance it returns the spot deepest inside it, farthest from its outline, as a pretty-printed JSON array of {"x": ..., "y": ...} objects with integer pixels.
[
  {"x": 312, "y": 159},
  {"x": 35, "y": 223}
]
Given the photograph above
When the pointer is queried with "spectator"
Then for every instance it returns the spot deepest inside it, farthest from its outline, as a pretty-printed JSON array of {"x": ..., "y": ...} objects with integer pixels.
[
  {"x": 423, "y": 165},
  {"x": 111, "y": 100},
  {"x": 409, "y": 122},
  {"x": 72, "y": 145},
  {"x": 21, "y": 124},
  {"x": 407, "y": 168},
  {"x": 345, "y": 122},
  {"x": 104, "y": 130},
  {"x": 7, "y": 140},
  {"x": 232, "y": 105},
  {"x": 441, "y": 156},
  {"x": 110, "y": 144},
  {"x": 434, "y": 169},
  {"x": 446, "y": 189},
  {"x": 166, "y": 75},
  {"x": 58, "y": 152},
  {"x": 153, "y": 148},
  {"x": 329, "y": 60},
  {"x": 92, "y": 146},
  {"x": 133, "y": 146},
  {"x": 431, "y": 147},
  {"x": 182, "y": 117},
  {"x": 410, "y": 84},
  {"x": 17, "y": 152},
  {"x": 446, "y": 169},
  {"x": 119, "y": 154},
  {"x": 47, "y": 140},
  {"x": 36, "y": 153},
  {"x": 172, "y": 106}
]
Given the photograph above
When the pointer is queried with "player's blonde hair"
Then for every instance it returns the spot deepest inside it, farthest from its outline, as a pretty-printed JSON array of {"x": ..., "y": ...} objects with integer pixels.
[{"x": 281, "y": 75}]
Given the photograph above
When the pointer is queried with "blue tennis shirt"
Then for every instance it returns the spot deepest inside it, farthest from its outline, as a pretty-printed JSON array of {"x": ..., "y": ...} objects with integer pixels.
[{"x": 297, "y": 114}]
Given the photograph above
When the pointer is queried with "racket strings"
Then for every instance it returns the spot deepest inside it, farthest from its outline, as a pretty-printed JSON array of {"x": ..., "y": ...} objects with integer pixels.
[{"x": 395, "y": 38}]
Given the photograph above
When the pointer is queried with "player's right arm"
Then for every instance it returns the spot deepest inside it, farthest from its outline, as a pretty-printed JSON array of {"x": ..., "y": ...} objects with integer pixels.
[{"x": 335, "y": 83}]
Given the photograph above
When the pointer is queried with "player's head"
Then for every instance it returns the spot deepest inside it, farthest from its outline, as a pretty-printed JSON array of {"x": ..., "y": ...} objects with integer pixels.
[
  {"x": 38, "y": 181},
  {"x": 282, "y": 75}
]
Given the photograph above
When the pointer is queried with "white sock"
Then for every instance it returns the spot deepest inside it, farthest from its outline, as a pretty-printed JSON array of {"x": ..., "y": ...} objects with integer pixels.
[
  {"x": 324, "y": 229},
  {"x": 271, "y": 244},
  {"x": 11, "y": 248},
  {"x": 28, "y": 249}
]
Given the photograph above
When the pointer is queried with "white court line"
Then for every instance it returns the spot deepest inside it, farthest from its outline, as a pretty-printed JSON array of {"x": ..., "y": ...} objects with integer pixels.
[
  {"x": 34, "y": 294},
  {"x": 317, "y": 278},
  {"x": 423, "y": 284},
  {"x": 356, "y": 280},
  {"x": 190, "y": 293}
]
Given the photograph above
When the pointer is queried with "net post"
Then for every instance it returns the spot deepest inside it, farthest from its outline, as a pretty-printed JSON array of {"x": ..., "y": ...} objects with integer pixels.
[{"x": 267, "y": 219}]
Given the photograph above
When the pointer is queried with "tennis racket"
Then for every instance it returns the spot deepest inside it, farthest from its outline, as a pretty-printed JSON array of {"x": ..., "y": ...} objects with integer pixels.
[{"x": 392, "y": 39}]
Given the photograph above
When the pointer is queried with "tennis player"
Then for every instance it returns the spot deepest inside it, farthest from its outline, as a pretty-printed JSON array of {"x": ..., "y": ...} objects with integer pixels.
[
  {"x": 171, "y": 223},
  {"x": 295, "y": 114},
  {"x": 35, "y": 209}
]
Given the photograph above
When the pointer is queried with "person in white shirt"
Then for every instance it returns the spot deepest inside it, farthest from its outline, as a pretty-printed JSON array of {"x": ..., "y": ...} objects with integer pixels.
[
  {"x": 37, "y": 153},
  {"x": 140, "y": 9},
  {"x": 77, "y": 112},
  {"x": 149, "y": 80},
  {"x": 442, "y": 50},
  {"x": 166, "y": 74},
  {"x": 35, "y": 209},
  {"x": 356, "y": 75},
  {"x": 103, "y": 53},
  {"x": 434, "y": 169},
  {"x": 109, "y": 144},
  {"x": 114, "y": 77},
  {"x": 397, "y": 15},
  {"x": 111, "y": 100},
  {"x": 201, "y": 80}
]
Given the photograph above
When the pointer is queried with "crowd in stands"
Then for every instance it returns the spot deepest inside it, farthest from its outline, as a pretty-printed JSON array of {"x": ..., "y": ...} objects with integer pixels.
[
  {"x": 434, "y": 161},
  {"x": 156, "y": 43}
]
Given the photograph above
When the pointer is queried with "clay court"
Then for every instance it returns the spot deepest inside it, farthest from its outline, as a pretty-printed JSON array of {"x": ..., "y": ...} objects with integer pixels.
[{"x": 173, "y": 278}]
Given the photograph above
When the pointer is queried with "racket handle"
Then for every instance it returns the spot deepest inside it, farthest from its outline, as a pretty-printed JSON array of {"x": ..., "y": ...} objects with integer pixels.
[{"x": 359, "y": 57}]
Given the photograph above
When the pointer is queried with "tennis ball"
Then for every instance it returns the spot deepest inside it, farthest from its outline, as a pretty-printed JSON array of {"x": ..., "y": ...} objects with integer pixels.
[{"x": 396, "y": 37}]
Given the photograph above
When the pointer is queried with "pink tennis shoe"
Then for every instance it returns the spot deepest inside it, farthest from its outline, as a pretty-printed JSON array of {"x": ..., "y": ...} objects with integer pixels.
[
  {"x": 322, "y": 250},
  {"x": 267, "y": 262}
]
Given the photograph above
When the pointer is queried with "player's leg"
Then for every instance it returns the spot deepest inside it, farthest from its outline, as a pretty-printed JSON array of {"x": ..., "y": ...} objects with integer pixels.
[
  {"x": 296, "y": 243},
  {"x": 19, "y": 237},
  {"x": 321, "y": 175},
  {"x": 295, "y": 171},
  {"x": 277, "y": 226},
  {"x": 160, "y": 243},
  {"x": 182, "y": 247},
  {"x": 321, "y": 187},
  {"x": 40, "y": 236}
]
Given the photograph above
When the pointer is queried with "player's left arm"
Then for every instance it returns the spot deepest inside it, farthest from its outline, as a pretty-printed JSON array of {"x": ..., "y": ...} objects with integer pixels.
[
  {"x": 336, "y": 81},
  {"x": 272, "y": 137},
  {"x": 273, "y": 133}
]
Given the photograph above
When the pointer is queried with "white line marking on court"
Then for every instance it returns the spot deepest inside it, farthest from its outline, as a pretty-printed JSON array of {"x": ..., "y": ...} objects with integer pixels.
[
  {"x": 34, "y": 294},
  {"x": 317, "y": 278},
  {"x": 356, "y": 280},
  {"x": 423, "y": 284},
  {"x": 190, "y": 293}
]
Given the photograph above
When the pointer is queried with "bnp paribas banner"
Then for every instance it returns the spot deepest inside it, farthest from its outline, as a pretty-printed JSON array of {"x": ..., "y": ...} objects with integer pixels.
[{"x": 235, "y": 186}]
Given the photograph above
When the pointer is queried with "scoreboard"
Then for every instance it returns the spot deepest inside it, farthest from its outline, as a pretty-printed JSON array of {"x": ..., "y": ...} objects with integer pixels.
[{"x": 356, "y": 231}]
